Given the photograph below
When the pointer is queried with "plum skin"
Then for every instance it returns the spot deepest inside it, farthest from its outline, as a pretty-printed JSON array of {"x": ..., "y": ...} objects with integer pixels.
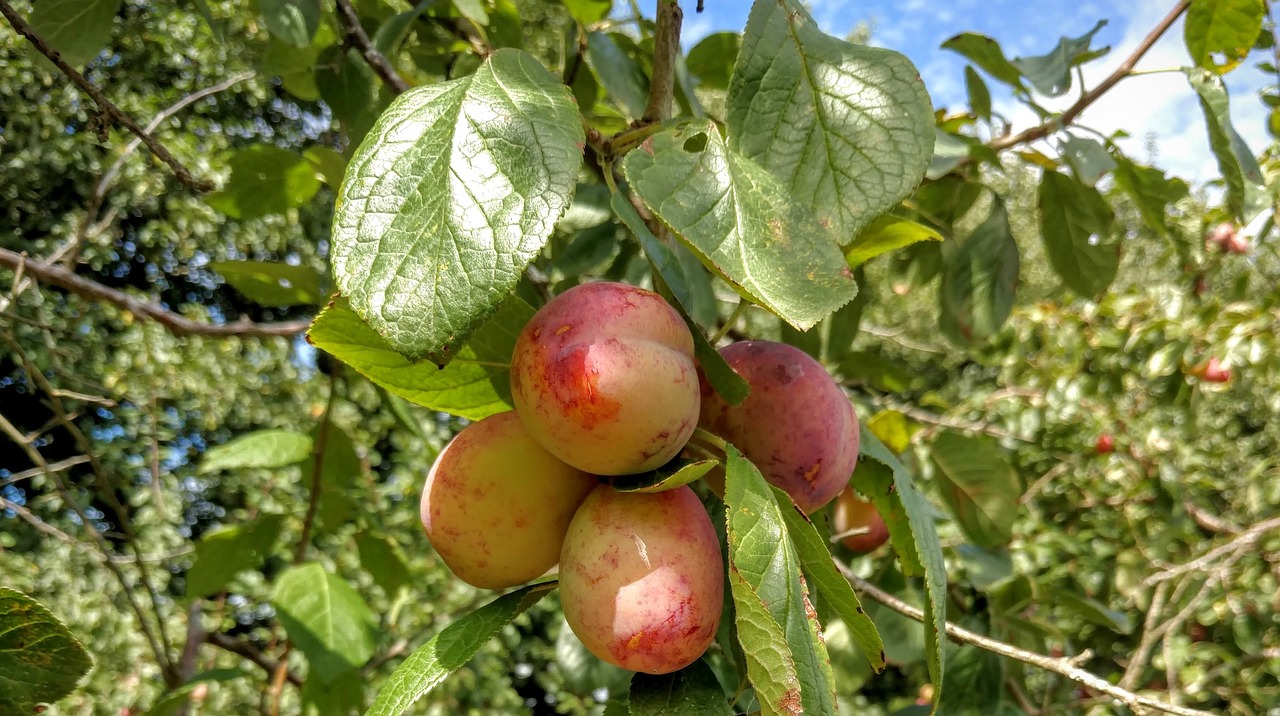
[
  {"x": 797, "y": 426},
  {"x": 603, "y": 377},
  {"x": 852, "y": 512},
  {"x": 642, "y": 578},
  {"x": 496, "y": 505}
]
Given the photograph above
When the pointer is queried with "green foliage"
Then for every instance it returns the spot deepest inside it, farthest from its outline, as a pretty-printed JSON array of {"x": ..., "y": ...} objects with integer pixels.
[
  {"x": 326, "y": 618},
  {"x": 41, "y": 660}
]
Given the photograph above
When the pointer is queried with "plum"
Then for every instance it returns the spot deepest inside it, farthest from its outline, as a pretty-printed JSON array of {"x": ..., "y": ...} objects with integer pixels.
[
  {"x": 642, "y": 579},
  {"x": 797, "y": 426},
  {"x": 496, "y": 504},
  {"x": 851, "y": 513},
  {"x": 603, "y": 377}
]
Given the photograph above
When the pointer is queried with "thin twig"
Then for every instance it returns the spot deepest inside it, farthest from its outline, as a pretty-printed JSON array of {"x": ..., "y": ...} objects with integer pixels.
[
  {"x": 666, "y": 52},
  {"x": 1246, "y": 539},
  {"x": 250, "y": 653},
  {"x": 1064, "y": 666},
  {"x": 1138, "y": 662},
  {"x": 59, "y": 466},
  {"x": 175, "y": 323},
  {"x": 356, "y": 37},
  {"x": 317, "y": 472},
  {"x": 1044, "y": 129},
  {"x": 104, "y": 105}
]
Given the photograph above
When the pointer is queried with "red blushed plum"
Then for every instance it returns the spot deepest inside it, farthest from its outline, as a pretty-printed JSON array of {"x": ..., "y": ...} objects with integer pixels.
[
  {"x": 853, "y": 513},
  {"x": 603, "y": 377},
  {"x": 797, "y": 425},
  {"x": 641, "y": 578},
  {"x": 496, "y": 505}
]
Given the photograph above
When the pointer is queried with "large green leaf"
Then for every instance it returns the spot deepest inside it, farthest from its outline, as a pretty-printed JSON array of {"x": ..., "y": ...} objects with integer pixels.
[
  {"x": 1088, "y": 158},
  {"x": 1151, "y": 191},
  {"x": 885, "y": 234},
  {"x": 736, "y": 216},
  {"x": 979, "y": 95},
  {"x": 763, "y": 555},
  {"x": 1246, "y": 187},
  {"x": 691, "y": 691},
  {"x": 261, "y": 448},
  {"x": 620, "y": 74},
  {"x": 223, "y": 553},
  {"x": 588, "y": 12},
  {"x": 293, "y": 22},
  {"x": 451, "y": 195},
  {"x": 974, "y": 682},
  {"x": 339, "y": 697},
  {"x": 1222, "y": 28},
  {"x": 815, "y": 558},
  {"x": 846, "y": 129},
  {"x": 987, "y": 54},
  {"x": 712, "y": 59},
  {"x": 272, "y": 283},
  {"x": 1050, "y": 74},
  {"x": 40, "y": 661},
  {"x": 172, "y": 703},
  {"x": 265, "y": 180},
  {"x": 452, "y": 648},
  {"x": 383, "y": 559},
  {"x": 326, "y": 619},
  {"x": 1075, "y": 224},
  {"x": 474, "y": 385},
  {"x": 77, "y": 29},
  {"x": 349, "y": 86},
  {"x": 979, "y": 485},
  {"x": 979, "y": 277},
  {"x": 915, "y": 539},
  {"x": 771, "y": 668}
]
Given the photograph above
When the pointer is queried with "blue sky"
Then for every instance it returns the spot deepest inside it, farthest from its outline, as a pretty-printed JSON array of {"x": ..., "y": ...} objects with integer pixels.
[{"x": 1161, "y": 106}]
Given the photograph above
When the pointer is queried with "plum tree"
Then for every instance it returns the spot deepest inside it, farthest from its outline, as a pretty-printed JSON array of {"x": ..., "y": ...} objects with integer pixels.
[
  {"x": 797, "y": 425},
  {"x": 603, "y": 377},
  {"x": 854, "y": 513},
  {"x": 496, "y": 504},
  {"x": 641, "y": 578}
]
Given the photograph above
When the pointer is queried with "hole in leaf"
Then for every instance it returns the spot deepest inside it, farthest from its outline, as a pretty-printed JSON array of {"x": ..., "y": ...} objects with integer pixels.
[{"x": 696, "y": 143}]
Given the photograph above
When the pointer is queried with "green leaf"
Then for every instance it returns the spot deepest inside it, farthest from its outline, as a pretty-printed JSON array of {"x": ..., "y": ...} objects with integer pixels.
[
  {"x": 339, "y": 697},
  {"x": 974, "y": 682},
  {"x": 907, "y": 514},
  {"x": 452, "y": 194},
  {"x": 984, "y": 567},
  {"x": 876, "y": 370},
  {"x": 1226, "y": 28},
  {"x": 723, "y": 379},
  {"x": 736, "y": 217},
  {"x": 473, "y": 10},
  {"x": 326, "y": 619},
  {"x": 1093, "y": 611},
  {"x": 830, "y": 585},
  {"x": 892, "y": 429},
  {"x": 691, "y": 691},
  {"x": 223, "y": 553},
  {"x": 987, "y": 55},
  {"x": 620, "y": 74},
  {"x": 1151, "y": 191},
  {"x": 712, "y": 59},
  {"x": 171, "y": 702},
  {"x": 762, "y": 554},
  {"x": 949, "y": 151},
  {"x": 296, "y": 66},
  {"x": 273, "y": 283},
  {"x": 261, "y": 448},
  {"x": 584, "y": 672},
  {"x": 677, "y": 473},
  {"x": 977, "y": 482},
  {"x": 350, "y": 87},
  {"x": 293, "y": 22},
  {"x": 1050, "y": 74},
  {"x": 979, "y": 278},
  {"x": 330, "y": 164},
  {"x": 40, "y": 661},
  {"x": 265, "y": 180},
  {"x": 1246, "y": 190},
  {"x": 451, "y": 649},
  {"x": 979, "y": 95},
  {"x": 588, "y": 12},
  {"x": 339, "y": 468},
  {"x": 1075, "y": 224},
  {"x": 473, "y": 386},
  {"x": 392, "y": 31},
  {"x": 885, "y": 234},
  {"x": 771, "y": 669},
  {"x": 77, "y": 29},
  {"x": 846, "y": 129},
  {"x": 1088, "y": 158},
  {"x": 383, "y": 559}
]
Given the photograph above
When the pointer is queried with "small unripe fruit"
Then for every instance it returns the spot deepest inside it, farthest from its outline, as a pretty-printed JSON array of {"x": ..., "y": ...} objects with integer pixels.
[
  {"x": 1222, "y": 233},
  {"x": 851, "y": 513},
  {"x": 642, "y": 578},
  {"x": 603, "y": 377},
  {"x": 1215, "y": 372},
  {"x": 797, "y": 425},
  {"x": 496, "y": 505},
  {"x": 1105, "y": 444}
]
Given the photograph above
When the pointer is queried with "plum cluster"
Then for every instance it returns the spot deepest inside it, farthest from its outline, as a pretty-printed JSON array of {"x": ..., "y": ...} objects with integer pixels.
[{"x": 604, "y": 383}]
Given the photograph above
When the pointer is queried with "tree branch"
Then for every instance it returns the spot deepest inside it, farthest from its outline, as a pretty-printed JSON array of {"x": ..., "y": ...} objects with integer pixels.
[
  {"x": 1064, "y": 666},
  {"x": 251, "y": 654},
  {"x": 104, "y": 105},
  {"x": 1125, "y": 69},
  {"x": 356, "y": 37},
  {"x": 317, "y": 472},
  {"x": 1245, "y": 539},
  {"x": 175, "y": 323},
  {"x": 666, "y": 52}
]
